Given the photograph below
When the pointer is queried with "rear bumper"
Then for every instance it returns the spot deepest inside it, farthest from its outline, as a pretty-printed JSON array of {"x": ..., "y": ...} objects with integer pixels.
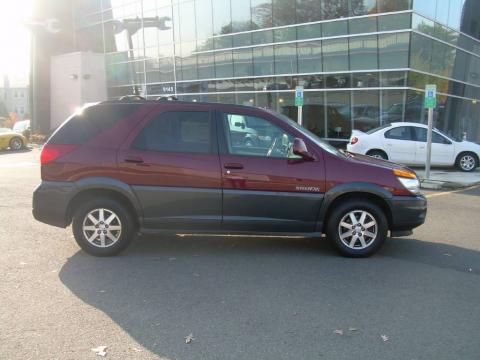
[
  {"x": 50, "y": 202},
  {"x": 408, "y": 212}
]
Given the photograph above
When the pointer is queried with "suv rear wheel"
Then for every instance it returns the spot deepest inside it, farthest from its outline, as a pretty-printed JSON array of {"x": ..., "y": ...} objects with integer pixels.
[
  {"x": 357, "y": 228},
  {"x": 102, "y": 227}
]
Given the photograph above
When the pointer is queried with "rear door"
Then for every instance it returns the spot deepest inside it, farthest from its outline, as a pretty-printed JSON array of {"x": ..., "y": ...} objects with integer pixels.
[
  {"x": 265, "y": 187},
  {"x": 443, "y": 150},
  {"x": 172, "y": 164},
  {"x": 399, "y": 144}
]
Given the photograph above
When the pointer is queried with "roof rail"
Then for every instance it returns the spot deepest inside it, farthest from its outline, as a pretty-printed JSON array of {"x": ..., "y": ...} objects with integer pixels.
[
  {"x": 167, "y": 98},
  {"x": 132, "y": 97}
]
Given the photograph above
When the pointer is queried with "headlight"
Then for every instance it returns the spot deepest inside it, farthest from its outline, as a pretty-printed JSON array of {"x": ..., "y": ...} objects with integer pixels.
[{"x": 408, "y": 179}]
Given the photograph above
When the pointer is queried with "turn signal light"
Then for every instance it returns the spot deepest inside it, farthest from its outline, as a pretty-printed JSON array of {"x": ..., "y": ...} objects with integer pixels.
[
  {"x": 51, "y": 152},
  {"x": 354, "y": 140},
  {"x": 405, "y": 173}
]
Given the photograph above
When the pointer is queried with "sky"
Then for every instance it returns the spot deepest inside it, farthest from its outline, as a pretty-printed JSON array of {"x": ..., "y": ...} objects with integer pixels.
[{"x": 15, "y": 40}]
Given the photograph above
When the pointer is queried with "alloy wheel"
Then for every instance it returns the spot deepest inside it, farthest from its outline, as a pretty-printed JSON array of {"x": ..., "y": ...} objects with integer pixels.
[
  {"x": 358, "y": 229},
  {"x": 16, "y": 144},
  {"x": 467, "y": 162},
  {"x": 102, "y": 228}
]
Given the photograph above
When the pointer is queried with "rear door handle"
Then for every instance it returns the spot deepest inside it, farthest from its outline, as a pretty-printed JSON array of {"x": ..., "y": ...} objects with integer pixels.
[
  {"x": 233, "y": 166},
  {"x": 134, "y": 160}
]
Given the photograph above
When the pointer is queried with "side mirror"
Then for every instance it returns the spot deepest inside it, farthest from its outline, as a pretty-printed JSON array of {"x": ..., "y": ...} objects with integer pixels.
[
  {"x": 240, "y": 125},
  {"x": 300, "y": 149}
]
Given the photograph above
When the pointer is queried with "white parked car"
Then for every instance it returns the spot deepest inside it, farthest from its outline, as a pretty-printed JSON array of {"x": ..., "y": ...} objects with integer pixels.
[{"x": 406, "y": 143}]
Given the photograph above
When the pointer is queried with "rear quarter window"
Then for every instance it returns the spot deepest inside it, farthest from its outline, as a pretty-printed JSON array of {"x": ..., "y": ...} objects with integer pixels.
[{"x": 79, "y": 129}]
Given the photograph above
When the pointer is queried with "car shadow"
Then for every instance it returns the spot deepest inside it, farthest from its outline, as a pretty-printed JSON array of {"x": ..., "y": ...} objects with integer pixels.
[{"x": 260, "y": 297}]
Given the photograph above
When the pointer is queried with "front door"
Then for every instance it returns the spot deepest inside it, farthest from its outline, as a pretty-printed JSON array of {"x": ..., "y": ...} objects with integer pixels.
[
  {"x": 443, "y": 152},
  {"x": 173, "y": 167},
  {"x": 265, "y": 187}
]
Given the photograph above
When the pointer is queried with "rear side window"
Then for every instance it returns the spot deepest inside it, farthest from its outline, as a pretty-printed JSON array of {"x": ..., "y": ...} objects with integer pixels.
[
  {"x": 399, "y": 133},
  {"x": 92, "y": 121},
  {"x": 177, "y": 131},
  {"x": 421, "y": 135}
]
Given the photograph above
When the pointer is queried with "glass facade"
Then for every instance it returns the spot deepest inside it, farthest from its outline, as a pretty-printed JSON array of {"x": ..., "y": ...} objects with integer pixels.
[{"x": 362, "y": 63}]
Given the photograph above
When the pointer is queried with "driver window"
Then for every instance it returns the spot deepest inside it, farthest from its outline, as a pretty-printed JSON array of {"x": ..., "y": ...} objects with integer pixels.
[{"x": 249, "y": 135}]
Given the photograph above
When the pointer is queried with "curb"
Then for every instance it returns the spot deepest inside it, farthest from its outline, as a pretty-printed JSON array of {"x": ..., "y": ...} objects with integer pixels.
[{"x": 444, "y": 185}]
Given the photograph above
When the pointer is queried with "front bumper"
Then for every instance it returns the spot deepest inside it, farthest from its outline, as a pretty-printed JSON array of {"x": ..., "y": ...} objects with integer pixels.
[
  {"x": 408, "y": 212},
  {"x": 50, "y": 202}
]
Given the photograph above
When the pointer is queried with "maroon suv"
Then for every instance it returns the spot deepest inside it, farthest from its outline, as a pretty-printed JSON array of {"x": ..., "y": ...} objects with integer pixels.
[{"x": 123, "y": 167}]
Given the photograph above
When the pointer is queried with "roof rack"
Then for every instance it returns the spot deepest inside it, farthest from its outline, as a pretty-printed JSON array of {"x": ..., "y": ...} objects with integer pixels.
[{"x": 132, "y": 97}]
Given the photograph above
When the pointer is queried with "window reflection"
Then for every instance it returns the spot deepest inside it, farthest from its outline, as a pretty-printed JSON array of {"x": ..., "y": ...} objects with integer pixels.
[
  {"x": 262, "y": 15},
  {"x": 334, "y": 9},
  {"x": 363, "y": 52},
  {"x": 308, "y": 11},
  {"x": 339, "y": 124},
  {"x": 285, "y": 59},
  {"x": 241, "y": 16},
  {"x": 366, "y": 110},
  {"x": 335, "y": 55},
  {"x": 393, "y": 50},
  {"x": 309, "y": 57},
  {"x": 363, "y": 7},
  {"x": 263, "y": 60},
  {"x": 283, "y": 12},
  {"x": 222, "y": 21}
]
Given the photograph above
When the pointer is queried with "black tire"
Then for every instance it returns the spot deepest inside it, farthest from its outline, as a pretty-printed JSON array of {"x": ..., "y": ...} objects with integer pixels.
[
  {"x": 340, "y": 211},
  {"x": 126, "y": 221},
  {"x": 16, "y": 143},
  {"x": 467, "y": 162},
  {"x": 379, "y": 154}
]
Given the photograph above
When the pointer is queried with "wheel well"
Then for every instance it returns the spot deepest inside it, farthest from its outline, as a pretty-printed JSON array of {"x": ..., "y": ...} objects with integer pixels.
[
  {"x": 94, "y": 193},
  {"x": 466, "y": 152},
  {"x": 364, "y": 196},
  {"x": 377, "y": 150}
]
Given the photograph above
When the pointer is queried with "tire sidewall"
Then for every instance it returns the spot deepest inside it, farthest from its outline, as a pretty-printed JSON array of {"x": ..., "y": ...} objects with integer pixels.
[
  {"x": 337, "y": 215},
  {"x": 381, "y": 154},
  {"x": 106, "y": 203}
]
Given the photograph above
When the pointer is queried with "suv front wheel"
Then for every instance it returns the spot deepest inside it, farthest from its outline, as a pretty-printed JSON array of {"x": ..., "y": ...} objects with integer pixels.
[
  {"x": 102, "y": 227},
  {"x": 357, "y": 228}
]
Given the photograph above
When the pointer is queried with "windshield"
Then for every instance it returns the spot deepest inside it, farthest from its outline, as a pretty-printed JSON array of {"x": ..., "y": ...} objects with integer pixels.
[{"x": 323, "y": 144}]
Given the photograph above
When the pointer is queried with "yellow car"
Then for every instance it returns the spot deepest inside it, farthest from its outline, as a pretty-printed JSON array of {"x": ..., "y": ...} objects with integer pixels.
[{"x": 11, "y": 139}]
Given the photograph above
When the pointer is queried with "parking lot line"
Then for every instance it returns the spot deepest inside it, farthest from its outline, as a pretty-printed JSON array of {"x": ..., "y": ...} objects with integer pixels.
[{"x": 451, "y": 192}]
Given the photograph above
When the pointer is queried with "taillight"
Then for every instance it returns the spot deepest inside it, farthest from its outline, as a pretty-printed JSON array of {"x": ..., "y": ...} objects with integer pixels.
[
  {"x": 354, "y": 140},
  {"x": 50, "y": 152}
]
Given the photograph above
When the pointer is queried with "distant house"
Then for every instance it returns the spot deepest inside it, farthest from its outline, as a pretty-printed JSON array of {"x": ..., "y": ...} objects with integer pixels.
[{"x": 15, "y": 98}]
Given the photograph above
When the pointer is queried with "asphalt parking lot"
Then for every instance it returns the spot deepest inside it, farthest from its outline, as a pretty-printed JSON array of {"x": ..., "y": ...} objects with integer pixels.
[{"x": 240, "y": 298}]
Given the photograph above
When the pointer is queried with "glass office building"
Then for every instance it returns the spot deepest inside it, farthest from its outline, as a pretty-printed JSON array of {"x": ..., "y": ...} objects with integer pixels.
[{"x": 362, "y": 63}]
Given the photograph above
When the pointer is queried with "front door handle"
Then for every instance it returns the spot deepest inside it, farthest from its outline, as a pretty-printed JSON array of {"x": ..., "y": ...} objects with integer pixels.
[
  {"x": 134, "y": 159},
  {"x": 233, "y": 166}
]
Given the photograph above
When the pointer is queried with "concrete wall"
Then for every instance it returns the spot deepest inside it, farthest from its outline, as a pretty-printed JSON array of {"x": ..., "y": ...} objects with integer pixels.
[{"x": 75, "y": 79}]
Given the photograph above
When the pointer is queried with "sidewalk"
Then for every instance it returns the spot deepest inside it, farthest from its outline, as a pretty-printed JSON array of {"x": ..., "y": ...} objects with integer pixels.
[{"x": 448, "y": 178}]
